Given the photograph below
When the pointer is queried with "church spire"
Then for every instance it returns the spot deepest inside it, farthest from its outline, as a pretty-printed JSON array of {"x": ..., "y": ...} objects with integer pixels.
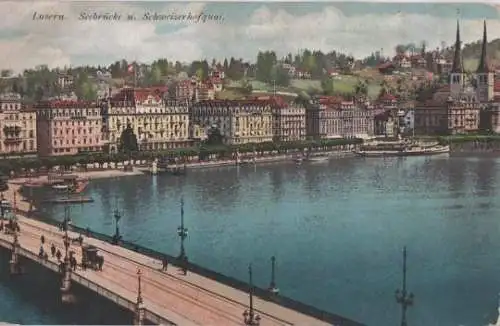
[
  {"x": 457, "y": 58},
  {"x": 483, "y": 61}
]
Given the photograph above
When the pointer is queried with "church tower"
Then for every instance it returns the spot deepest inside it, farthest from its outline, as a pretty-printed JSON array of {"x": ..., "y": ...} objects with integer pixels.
[
  {"x": 457, "y": 75},
  {"x": 485, "y": 78}
]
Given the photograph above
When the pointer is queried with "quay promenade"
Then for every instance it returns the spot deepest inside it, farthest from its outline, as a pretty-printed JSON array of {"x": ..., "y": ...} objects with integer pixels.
[{"x": 168, "y": 297}]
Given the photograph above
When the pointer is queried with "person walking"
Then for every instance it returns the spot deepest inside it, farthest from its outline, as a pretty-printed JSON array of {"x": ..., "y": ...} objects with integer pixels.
[{"x": 53, "y": 250}]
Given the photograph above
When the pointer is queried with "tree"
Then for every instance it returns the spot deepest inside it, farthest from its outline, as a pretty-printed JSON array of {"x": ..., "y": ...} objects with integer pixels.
[
  {"x": 247, "y": 87},
  {"x": 178, "y": 67},
  {"x": 128, "y": 141},
  {"x": 215, "y": 137},
  {"x": 327, "y": 85},
  {"x": 280, "y": 76},
  {"x": 5, "y": 73},
  {"x": 361, "y": 88}
]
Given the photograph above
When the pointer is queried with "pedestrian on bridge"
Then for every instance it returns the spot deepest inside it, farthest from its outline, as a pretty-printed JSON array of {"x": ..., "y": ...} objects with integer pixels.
[
  {"x": 1, "y": 225},
  {"x": 41, "y": 252},
  {"x": 53, "y": 250},
  {"x": 164, "y": 264},
  {"x": 42, "y": 239},
  {"x": 73, "y": 262},
  {"x": 58, "y": 255},
  {"x": 184, "y": 265}
]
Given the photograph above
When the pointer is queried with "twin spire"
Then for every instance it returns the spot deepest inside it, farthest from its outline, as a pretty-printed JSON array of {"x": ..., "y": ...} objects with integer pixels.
[{"x": 457, "y": 58}]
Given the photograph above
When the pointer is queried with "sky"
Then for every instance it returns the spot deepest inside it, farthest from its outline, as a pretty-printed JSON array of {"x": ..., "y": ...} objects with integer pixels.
[{"x": 227, "y": 29}]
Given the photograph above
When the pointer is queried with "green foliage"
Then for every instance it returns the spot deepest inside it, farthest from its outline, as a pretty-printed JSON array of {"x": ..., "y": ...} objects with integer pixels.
[
  {"x": 84, "y": 89},
  {"x": 265, "y": 63},
  {"x": 460, "y": 139},
  {"x": 23, "y": 164},
  {"x": 128, "y": 141}
]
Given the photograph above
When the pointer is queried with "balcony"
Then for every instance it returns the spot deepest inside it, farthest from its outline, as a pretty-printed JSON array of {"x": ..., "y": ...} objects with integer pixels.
[{"x": 12, "y": 134}]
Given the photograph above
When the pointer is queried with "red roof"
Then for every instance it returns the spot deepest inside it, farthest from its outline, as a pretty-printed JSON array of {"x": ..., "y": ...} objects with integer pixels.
[
  {"x": 387, "y": 97},
  {"x": 252, "y": 101},
  {"x": 385, "y": 65},
  {"x": 60, "y": 104},
  {"x": 141, "y": 94},
  {"x": 443, "y": 89}
]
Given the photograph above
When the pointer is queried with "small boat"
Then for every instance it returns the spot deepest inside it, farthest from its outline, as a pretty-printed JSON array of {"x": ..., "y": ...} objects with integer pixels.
[
  {"x": 299, "y": 159},
  {"x": 318, "y": 159},
  {"x": 60, "y": 187}
]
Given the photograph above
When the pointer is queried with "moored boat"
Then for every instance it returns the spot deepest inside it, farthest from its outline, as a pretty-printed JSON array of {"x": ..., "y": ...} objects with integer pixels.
[
  {"x": 405, "y": 150},
  {"x": 318, "y": 159},
  {"x": 60, "y": 187}
]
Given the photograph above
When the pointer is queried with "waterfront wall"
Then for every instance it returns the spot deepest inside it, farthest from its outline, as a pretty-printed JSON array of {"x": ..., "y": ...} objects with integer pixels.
[
  {"x": 40, "y": 286},
  {"x": 475, "y": 147}
]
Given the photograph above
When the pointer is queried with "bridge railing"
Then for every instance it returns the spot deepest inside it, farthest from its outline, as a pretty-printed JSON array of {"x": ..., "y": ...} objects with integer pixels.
[
  {"x": 221, "y": 278},
  {"x": 93, "y": 286}
]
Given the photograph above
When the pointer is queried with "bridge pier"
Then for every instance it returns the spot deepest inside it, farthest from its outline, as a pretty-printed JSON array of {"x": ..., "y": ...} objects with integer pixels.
[
  {"x": 66, "y": 295},
  {"x": 139, "y": 314},
  {"x": 15, "y": 266}
]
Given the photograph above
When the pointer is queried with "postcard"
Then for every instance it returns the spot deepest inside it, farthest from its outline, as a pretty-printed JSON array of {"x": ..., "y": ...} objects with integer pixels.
[{"x": 257, "y": 163}]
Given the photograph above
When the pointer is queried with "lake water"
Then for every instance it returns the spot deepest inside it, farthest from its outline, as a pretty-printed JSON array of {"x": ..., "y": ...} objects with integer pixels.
[{"x": 337, "y": 230}]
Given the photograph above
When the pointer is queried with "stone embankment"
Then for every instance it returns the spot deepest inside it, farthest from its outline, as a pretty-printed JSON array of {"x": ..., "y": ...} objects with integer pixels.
[{"x": 475, "y": 147}]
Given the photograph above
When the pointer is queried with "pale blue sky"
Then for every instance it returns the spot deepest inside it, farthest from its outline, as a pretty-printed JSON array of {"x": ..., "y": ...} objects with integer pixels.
[{"x": 356, "y": 28}]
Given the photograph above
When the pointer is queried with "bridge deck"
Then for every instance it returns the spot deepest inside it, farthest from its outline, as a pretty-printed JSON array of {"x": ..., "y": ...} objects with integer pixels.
[{"x": 180, "y": 299}]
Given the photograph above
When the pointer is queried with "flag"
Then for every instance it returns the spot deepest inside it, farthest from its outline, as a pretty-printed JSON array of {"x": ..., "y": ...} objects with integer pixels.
[{"x": 130, "y": 68}]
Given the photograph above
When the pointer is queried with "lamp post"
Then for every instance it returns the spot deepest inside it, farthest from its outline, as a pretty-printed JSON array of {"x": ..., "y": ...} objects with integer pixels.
[
  {"x": 66, "y": 247},
  {"x": 139, "y": 289},
  {"x": 4, "y": 206},
  {"x": 272, "y": 286},
  {"x": 139, "y": 305},
  {"x": 249, "y": 316},
  {"x": 117, "y": 236},
  {"x": 404, "y": 298},
  {"x": 182, "y": 232}
]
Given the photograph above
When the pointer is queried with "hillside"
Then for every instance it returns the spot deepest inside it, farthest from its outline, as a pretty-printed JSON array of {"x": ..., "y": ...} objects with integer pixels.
[{"x": 472, "y": 51}]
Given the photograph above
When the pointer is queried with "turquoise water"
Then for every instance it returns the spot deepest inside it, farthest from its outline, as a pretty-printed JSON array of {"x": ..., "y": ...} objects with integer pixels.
[{"x": 337, "y": 230}]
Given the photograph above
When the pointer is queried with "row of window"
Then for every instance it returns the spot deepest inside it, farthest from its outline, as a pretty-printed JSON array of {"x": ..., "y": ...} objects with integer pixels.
[
  {"x": 76, "y": 123},
  {"x": 61, "y": 142},
  {"x": 21, "y": 147}
]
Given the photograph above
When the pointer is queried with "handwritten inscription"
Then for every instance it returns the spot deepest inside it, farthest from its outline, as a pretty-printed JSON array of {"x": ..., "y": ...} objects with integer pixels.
[
  {"x": 147, "y": 16},
  {"x": 47, "y": 17},
  {"x": 107, "y": 16}
]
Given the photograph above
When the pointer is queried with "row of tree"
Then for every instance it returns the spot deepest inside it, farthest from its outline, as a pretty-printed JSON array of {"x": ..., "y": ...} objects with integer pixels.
[{"x": 184, "y": 155}]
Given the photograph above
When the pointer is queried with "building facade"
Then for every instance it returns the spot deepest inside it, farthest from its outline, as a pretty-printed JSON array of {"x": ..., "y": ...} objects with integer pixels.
[
  {"x": 466, "y": 103},
  {"x": 239, "y": 121},
  {"x": 68, "y": 127},
  {"x": 289, "y": 121},
  {"x": 331, "y": 117},
  {"x": 431, "y": 118},
  {"x": 18, "y": 127},
  {"x": 157, "y": 122}
]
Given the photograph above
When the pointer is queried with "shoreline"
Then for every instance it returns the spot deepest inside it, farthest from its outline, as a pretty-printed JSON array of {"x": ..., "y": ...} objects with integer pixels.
[{"x": 119, "y": 172}]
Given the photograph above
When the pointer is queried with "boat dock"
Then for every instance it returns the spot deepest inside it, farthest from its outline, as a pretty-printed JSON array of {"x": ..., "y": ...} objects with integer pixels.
[{"x": 70, "y": 200}]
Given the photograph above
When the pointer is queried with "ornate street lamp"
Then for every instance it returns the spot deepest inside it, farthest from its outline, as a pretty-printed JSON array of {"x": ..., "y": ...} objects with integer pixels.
[
  {"x": 404, "y": 298},
  {"x": 249, "y": 316},
  {"x": 117, "y": 236},
  {"x": 272, "y": 286},
  {"x": 66, "y": 247},
  {"x": 182, "y": 232},
  {"x": 139, "y": 289},
  {"x": 4, "y": 205}
]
